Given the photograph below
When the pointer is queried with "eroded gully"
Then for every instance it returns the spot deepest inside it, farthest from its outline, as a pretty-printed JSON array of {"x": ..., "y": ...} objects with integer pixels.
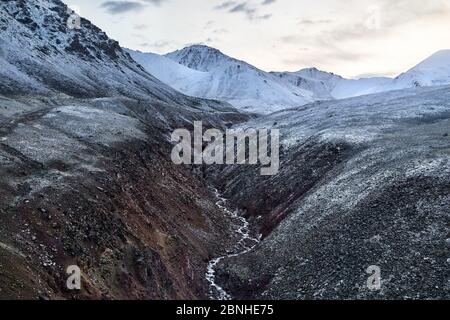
[{"x": 244, "y": 245}]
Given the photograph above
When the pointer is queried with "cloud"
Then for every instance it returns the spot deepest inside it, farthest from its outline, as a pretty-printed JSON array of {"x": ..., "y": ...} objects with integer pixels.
[
  {"x": 374, "y": 20},
  {"x": 161, "y": 46},
  {"x": 266, "y": 2},
  {"x": 250, "y": 11},
  {"x": 118, "y": 7},
  {"x": 220, "y": 31},
  {"x": 140, "y": 27},
  {"x": 243, "y": 7},
  {"x": 155, "y": 2},
  {"x": 385, "y": 16},
  {"x": 264, "y": 16},
  {"x": 139, "y": 36},
  {"x": 313, "y": 22},
  {"x": 325, "y": 56},
  {"x": 318, "y": 51},
  {"x": 399, "y": 12},
  {"x": 209, "y": 24},
  {"x": 225, "y": 5}
]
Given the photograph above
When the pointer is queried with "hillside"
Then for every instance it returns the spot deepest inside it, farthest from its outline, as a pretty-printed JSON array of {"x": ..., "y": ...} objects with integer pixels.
[
  {"x": 363, "y": 182},
  {"x": 86, "y": 177}
]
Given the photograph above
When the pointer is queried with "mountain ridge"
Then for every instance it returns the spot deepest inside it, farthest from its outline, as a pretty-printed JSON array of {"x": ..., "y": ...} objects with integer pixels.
[
  {"x": 218, "y": 76},
  {"x": 313, "y": 84}
]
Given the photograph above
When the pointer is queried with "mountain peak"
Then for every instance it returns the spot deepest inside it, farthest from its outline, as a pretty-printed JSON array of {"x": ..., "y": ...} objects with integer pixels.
[
  {"x": 45, "y": 56},
  {"x": 433, "y": 71},
  {"x": 200, "y": 47},
  {"x": 312, "y": 69},
  {"x": 199, "y": 57},
  {"x": 316, "y": 74},
  {"x": 436, "y": 60}
]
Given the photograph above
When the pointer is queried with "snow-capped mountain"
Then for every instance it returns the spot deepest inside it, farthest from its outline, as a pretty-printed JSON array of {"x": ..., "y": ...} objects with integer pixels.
[
  {"x": 318, "y": 82},
  {"x": 41, "y": 55},
  {"x": 201, "y": 58},
  {"x": 434, "y": 71},
  {"x": 205, "y": 72},
  {"x": 168, "y": 71},
  {"x": 328, "y": 86}
]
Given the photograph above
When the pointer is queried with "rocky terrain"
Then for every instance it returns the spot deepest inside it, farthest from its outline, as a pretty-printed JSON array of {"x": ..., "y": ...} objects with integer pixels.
[
  {"x": 86, "y": 179},
  {"x": 363, "y": 182},
  {"x": 85, "y": 175}
]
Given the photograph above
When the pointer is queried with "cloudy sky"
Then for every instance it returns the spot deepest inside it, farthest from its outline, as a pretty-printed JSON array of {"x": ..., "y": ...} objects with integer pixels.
[{"x": 349, "y": 37}]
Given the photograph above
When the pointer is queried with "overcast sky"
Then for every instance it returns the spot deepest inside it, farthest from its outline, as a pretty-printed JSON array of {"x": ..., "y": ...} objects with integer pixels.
[{"x": 349, "y": 37}]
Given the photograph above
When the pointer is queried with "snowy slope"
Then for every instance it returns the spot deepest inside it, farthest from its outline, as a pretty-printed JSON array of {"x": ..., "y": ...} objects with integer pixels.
[
  {"x": 348, "y": 88},
  {"x": 200, "y": 57},
  {"x": 168, "y": 71},
  {"x": 318, "y": 82},
  {"x": 434, "y": 71},
  {"x": 202, "y": 71},
  {"x": 206, "y": 72},
  {"x": 357, "y": 175},
  {"x": 328, "y": 86},
  {"x": 41, "y": 55}
]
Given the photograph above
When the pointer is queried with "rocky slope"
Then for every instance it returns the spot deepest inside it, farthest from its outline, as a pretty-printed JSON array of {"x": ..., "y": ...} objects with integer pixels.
[
  {"x": 362, "y": 182},
  {"x": 86, "y": 179},
  {"x": 85, "y": 175},
  {"x": 42, "y": 56}
]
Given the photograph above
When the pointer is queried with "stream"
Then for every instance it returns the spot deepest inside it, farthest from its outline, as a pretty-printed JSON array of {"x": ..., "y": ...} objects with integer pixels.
[{"x": 244, "y": 245}]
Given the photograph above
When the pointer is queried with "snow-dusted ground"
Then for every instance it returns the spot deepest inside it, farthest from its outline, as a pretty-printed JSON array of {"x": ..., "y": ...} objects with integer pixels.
[
  {"x": 363, "y": 181},
  {"x": 356, "y": 120}
]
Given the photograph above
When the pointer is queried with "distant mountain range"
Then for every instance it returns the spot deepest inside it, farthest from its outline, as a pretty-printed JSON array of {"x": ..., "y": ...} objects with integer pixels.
[
  {"x": 202, "y": 71},
  {"x": 206, "y": 72}
]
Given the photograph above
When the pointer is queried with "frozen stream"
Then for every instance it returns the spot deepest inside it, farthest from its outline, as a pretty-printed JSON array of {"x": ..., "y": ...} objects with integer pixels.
[{"x": 245, "y": 244}]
